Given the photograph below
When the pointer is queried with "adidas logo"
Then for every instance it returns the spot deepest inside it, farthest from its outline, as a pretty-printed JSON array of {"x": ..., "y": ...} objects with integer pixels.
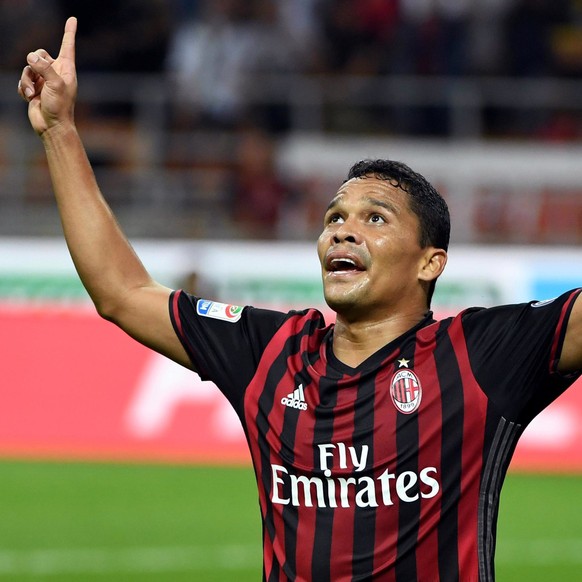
[{"x": 295, "y": 399}]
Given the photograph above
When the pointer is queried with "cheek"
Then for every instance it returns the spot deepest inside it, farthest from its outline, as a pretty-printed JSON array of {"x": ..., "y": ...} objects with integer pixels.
[
  {"x": 397, "y": 253},
  {"x": 322, "y": 245}
]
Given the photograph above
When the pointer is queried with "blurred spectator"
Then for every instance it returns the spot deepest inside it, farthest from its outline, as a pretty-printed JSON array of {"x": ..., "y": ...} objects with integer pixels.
[
  {"x": 453, "y": 37},
  {"x": 358, "y": 34},
  {"x": 529, "y": 29},
  {"x": 183, "y": 10},
  {"x": 258, "y": 191},
  {"x": 433, "y": 37},
  {"x": 128, "y": 36},
  {"x": 485, "y": 31},
  {"x": 567, "y": 42},
  {"x": 42, "y": 21},
  {"x": 276, "y": 50},
  {"x": 300, "y": 22},
  {"x": 416, "y": 37},
  {"x": 561, "y": 127},
  {"x": 213, "y": 56}
]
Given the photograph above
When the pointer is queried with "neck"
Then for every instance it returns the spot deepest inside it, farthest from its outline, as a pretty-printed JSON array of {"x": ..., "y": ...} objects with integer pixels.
[{"x": 355, "y": 341}]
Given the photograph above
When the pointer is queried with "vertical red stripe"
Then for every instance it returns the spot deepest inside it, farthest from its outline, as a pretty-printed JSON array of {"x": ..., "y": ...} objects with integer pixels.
[
  {"x": 430, "y": 446},
  {"x": 385, "y": 459},
  {"x": 343, "y": 526},
  {"x": 472, "y": 456},
  {"x": 306, "y": 515},
  {"x": 267, "y": 555}
]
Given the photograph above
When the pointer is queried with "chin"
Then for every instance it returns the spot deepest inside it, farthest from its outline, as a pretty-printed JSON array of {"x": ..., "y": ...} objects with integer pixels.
[{"x": 342, "y": 303}]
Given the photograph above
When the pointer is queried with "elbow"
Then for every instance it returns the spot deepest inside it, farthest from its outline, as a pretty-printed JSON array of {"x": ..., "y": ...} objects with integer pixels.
[{"x": 107, "y": 310}]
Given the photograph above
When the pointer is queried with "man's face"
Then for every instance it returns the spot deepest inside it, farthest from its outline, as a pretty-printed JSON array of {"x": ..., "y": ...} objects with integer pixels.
[{"x": 369, "y": 250}]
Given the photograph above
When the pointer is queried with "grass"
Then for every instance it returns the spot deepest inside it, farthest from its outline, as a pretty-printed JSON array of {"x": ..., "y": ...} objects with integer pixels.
[
  {"x": 78, "y": 521},
  {"x": 106, "y": 522},
  {"x": 540, "y": 528}
]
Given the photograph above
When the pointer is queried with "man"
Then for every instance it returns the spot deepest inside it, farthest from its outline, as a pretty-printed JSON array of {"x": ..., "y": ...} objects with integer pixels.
[{"x": 379, "y": 443}]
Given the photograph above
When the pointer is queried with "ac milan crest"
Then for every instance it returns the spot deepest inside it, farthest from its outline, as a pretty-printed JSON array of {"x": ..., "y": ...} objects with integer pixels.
[{"x": 406, "y": 391}]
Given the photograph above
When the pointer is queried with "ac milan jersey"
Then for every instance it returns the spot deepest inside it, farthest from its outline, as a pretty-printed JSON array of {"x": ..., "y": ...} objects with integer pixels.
[{"x": 390, "y": 471}]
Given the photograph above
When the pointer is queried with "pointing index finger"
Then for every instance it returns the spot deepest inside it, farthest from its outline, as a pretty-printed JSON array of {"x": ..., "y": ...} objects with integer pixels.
[{"x": 68, "y": 45}]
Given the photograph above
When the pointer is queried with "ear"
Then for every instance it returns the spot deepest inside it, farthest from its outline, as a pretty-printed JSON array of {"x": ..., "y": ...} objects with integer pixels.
[{"x": 432, "y": 265}]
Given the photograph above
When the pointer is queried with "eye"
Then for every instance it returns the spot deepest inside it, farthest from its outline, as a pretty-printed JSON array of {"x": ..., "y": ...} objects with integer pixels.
[
  {"x": 377, "y": 218},
  {"x": 335, "y": 219}
]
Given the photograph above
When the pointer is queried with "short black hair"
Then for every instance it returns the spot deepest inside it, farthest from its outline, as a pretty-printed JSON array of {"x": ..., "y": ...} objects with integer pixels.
[
  {"x": 428, "y": 205},
  {"x": 425, "y": 201}
]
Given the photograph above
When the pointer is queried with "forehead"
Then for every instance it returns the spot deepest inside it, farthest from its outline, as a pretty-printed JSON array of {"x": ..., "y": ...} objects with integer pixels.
[{"x": 371, "y": 191}]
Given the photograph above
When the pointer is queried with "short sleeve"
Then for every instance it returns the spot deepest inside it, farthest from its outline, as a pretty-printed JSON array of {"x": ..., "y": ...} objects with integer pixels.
[
  {"x": 224, "y": 342},
  {"x": 514, "y": 351}
]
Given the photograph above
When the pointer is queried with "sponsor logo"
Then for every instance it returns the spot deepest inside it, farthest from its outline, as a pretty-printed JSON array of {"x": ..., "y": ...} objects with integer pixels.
[
  {"x": 222, "y": 311},
  {"x": 295, "y": 399},
  {"x": 356, "y": 488},
  {"x": 406, "y": 391}
]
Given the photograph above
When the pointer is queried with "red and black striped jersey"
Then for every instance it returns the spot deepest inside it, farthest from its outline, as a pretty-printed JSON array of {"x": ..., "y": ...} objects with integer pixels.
[{"x": 390, "y": 471}]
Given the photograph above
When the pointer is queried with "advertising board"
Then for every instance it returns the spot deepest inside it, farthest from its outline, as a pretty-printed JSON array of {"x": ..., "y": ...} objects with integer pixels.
[{"x": 74, "y": 386}]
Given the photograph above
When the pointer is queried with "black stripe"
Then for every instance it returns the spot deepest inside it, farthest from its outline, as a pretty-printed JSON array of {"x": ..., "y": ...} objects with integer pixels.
[
  {"x": 274, "y": 575},
  {"x": 450, "y": 383},
  {"x": 365, "y": 525},
  {"x": 504, "y": 442},
  {"x": 290, "y": 512},
  {"x": 323, "y": 433},
  {"x": 407, "y": 445}
]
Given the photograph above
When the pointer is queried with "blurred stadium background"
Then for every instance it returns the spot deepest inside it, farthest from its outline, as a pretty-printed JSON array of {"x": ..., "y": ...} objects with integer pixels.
[{"x": 218, "y": 130}]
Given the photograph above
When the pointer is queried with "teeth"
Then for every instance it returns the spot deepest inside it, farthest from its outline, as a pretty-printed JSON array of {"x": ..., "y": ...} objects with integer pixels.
[
  {"x": 343, "y": 261},
  {"x": 340, "y": 264}
]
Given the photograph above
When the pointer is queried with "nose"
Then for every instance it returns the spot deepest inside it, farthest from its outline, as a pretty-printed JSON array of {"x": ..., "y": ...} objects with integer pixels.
[
  {"x": 339, "y": 238},
  {"x": 346, "y": 233}
]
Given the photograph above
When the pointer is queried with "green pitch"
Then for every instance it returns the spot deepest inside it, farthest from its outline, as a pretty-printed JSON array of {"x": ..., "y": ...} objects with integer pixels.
[{"x": 104, "y": 522}]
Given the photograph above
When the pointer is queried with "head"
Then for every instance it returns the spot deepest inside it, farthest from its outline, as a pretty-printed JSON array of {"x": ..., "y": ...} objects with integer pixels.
[
  {"x": 409, "y": 226},
  {"x": 425, "y": 201}
]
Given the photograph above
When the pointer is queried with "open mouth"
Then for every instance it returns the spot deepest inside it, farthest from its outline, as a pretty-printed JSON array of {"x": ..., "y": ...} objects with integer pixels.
[{"x": 341, "y": 263}]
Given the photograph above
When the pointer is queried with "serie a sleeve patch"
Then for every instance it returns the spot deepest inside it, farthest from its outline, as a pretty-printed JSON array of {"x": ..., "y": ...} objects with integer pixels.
[{"x": 222, "y": 311}]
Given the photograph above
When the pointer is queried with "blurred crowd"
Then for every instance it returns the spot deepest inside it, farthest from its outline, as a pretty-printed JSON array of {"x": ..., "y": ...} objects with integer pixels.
[
  {"x": 211, "y": 49},
  {"x": 427, "y": 37}
]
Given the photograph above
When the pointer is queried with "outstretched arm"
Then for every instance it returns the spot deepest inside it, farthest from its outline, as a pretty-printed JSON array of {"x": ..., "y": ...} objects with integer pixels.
[
  {"x": 120, "y": 287},
  {"x": 571, "y": 358}
]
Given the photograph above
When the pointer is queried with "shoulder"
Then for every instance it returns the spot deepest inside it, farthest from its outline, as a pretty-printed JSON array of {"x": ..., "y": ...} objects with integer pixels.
[
  {"x": 186, "y": 308},
  {"x": 556, "y": 309},
  {"x": 299, "y": 323}
]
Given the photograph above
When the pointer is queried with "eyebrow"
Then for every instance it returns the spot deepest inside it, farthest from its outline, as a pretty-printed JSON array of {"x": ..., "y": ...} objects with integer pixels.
[{"x": 369, "y": 200}]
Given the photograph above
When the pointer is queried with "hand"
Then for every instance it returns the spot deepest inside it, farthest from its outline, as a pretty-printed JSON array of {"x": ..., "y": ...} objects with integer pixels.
[{"x": 50, "y": 85}]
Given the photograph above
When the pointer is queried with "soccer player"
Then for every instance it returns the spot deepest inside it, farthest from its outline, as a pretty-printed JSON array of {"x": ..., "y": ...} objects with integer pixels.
[{"x": 380, "y": 443}]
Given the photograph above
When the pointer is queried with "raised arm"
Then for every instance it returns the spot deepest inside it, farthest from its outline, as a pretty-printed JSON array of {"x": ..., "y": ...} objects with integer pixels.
[
  {"x": 571, "y": 358},
  {"x": 117, "y": 282}
]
